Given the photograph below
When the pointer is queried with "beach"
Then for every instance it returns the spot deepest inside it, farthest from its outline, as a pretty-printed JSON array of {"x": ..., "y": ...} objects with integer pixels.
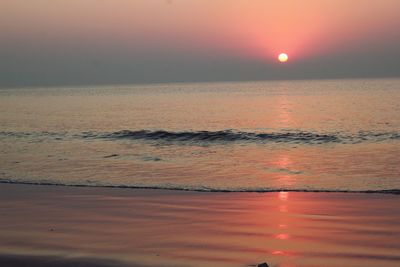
[{"x": 83, "y": 226}]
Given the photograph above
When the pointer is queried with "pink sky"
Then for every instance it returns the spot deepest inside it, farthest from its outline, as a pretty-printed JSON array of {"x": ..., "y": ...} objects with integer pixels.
[
  {"x": 257, "y": 28},
  {"x": 235, "y": 29}
]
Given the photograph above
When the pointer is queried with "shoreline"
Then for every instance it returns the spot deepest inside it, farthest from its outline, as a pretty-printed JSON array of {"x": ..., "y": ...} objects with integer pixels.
[
  {"x": 209, "y": 190},
  {"x": 67, "y": 226}
]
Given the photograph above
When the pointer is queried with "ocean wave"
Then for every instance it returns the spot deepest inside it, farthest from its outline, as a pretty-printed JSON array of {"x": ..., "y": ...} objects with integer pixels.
[
  {"x": 227, "y": 136},
  {"x": 222, "y": 136},
  {"x": 393, "y": 191}
]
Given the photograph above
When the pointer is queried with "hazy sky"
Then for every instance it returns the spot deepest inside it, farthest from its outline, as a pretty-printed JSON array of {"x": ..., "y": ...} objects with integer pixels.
[{"x": 63, "y": 42}]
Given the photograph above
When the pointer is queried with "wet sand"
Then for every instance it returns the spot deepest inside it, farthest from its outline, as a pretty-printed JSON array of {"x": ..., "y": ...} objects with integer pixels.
[{"x": 76, "y": 226}]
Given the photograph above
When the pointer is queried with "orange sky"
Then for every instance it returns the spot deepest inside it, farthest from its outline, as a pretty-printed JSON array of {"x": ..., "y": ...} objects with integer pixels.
[{"x": 257, "y": 29}]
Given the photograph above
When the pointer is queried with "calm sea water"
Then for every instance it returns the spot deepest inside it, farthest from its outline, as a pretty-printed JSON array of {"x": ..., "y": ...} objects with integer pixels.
[{"x": 338, "y": 135}]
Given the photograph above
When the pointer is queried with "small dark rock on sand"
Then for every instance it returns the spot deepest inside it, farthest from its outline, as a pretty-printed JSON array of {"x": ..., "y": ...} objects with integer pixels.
[
  {"x": 264, "y": 264},
  {"x": 111, "y": 156}
]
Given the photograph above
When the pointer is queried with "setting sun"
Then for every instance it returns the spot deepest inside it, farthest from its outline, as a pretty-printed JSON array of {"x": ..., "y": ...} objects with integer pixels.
[{"x": 283, "y": 57}]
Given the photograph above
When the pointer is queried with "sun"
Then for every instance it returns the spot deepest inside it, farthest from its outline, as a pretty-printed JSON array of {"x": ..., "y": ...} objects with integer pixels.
[{"x": 283, "y": 57}]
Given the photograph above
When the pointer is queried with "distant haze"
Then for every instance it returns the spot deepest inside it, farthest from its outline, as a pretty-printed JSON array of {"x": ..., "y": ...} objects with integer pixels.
[{"x": 74, "y": 42}]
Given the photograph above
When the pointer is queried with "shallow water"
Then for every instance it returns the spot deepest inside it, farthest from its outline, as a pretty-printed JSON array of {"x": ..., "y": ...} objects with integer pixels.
[{"x": 338, "y": 135}]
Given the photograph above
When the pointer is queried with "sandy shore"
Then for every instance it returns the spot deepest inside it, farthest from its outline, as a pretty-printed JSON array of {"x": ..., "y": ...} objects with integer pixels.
[{"x": 72, "y": 226}]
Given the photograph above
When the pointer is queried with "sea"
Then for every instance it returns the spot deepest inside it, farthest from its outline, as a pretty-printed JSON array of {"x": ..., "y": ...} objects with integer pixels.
[{"x": 307, "y": 135}]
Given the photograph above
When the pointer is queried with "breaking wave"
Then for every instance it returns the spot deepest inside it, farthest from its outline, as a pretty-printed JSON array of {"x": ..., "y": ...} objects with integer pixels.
[
  {"x": 226, "y": 136},
  {"x": 223, "y": 136}
]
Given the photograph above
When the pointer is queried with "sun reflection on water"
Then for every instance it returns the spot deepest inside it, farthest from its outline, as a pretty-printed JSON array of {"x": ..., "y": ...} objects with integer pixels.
[
  {"x": 283, "y": 196},
  {"x": 282, "y": 225}
]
